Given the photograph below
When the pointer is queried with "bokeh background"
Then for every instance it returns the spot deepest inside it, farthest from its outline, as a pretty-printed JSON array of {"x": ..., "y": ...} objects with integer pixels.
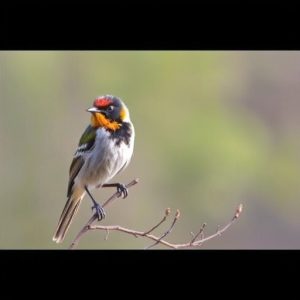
[{"x": 213, "y": 129}]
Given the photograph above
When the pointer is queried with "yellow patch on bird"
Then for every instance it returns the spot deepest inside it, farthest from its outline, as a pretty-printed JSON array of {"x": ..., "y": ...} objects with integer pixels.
[
  {"x": 99, "y": 120},
  {"x": 123, "y": 114}
]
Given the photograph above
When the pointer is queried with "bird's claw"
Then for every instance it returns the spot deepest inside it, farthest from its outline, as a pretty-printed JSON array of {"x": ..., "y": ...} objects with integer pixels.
[
  {"x": 99, "y": 211},
  {"x": 122, "y": 189}
]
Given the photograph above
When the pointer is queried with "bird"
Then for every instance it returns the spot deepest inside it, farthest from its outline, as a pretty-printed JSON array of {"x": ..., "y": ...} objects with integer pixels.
[{"x": 104, "y": 150}]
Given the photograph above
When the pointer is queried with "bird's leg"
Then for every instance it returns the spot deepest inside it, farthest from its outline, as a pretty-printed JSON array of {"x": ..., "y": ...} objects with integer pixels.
[
  {"x": 99, "y": 209},
  {"x": 121, "y": 188}
]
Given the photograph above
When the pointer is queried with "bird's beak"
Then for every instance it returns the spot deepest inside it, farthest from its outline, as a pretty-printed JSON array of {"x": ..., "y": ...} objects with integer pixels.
[{"x": 94, "y": 110}]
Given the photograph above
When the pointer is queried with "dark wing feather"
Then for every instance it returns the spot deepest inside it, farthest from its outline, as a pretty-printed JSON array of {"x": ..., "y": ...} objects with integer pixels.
[
  {"x": 75, "y": 167},
  {"x": 86, "y": 144}
]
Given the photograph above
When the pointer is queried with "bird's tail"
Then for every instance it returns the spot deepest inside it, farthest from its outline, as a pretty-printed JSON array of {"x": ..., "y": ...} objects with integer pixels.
[{"x": 67, "y": 215}]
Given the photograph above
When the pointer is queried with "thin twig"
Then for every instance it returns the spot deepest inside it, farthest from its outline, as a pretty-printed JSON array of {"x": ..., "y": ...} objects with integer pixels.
[
  {"x": 86, "y": 227},
  {"x": 199, "y": 232},
  {"x": 177, "y": 215},
  {"x": 167, "y": 213}
]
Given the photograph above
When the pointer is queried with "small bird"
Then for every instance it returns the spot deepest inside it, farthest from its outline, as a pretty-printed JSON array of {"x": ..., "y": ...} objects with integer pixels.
[{"x": 104, "y": 150}]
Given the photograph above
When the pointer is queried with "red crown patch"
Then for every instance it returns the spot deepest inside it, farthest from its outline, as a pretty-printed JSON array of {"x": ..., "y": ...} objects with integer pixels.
[{"x": 102, "y": 102}]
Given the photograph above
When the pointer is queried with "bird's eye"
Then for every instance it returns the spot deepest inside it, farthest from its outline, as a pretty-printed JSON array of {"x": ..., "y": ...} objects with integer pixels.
[{"x": 110, "y": 108}]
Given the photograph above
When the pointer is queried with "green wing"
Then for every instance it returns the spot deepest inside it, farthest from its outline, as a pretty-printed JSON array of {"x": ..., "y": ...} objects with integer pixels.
[
  {"x": 88, "y": 138},
  {"x": 86, "y": 143}
]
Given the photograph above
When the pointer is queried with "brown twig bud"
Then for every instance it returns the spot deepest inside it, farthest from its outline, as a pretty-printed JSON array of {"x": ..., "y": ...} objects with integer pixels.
[
  {"x": 167, "y": 211},
  {"x": 238, "y": 211}
]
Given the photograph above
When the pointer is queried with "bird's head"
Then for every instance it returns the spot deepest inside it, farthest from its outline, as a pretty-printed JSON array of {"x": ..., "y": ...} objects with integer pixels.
[{"x": 109, "y": 112}]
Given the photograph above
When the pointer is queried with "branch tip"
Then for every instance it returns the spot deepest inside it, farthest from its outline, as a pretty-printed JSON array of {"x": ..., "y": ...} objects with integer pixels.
[
  {"x": 167, "y": 211},
  {"x": 238, "y": 211}
]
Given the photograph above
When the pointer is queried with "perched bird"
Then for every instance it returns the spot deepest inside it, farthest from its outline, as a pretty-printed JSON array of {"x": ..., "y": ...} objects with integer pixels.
[{"x": 105, "y": 149}]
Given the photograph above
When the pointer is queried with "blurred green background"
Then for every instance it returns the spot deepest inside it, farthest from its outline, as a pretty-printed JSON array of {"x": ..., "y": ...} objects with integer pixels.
[{"x": 213, "y": 129}]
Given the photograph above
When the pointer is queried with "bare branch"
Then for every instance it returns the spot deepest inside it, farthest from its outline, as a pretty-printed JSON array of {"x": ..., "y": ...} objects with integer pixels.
[
  {"x": 159, "y": 240},
  {"x": 196, "y": 241}
]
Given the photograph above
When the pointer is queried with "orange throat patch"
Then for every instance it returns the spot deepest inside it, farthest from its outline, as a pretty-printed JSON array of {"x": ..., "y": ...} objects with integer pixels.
[{"x": 99, "y": 120}]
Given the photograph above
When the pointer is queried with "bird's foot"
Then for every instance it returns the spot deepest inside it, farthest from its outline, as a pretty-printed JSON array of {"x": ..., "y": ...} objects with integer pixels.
[
  {"x": 99, "y": 211},
  {"x": 122, "y": 189}
]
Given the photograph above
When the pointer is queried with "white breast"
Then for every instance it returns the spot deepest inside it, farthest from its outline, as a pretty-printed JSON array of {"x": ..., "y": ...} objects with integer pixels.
[{"x": 106, "y": 159}]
